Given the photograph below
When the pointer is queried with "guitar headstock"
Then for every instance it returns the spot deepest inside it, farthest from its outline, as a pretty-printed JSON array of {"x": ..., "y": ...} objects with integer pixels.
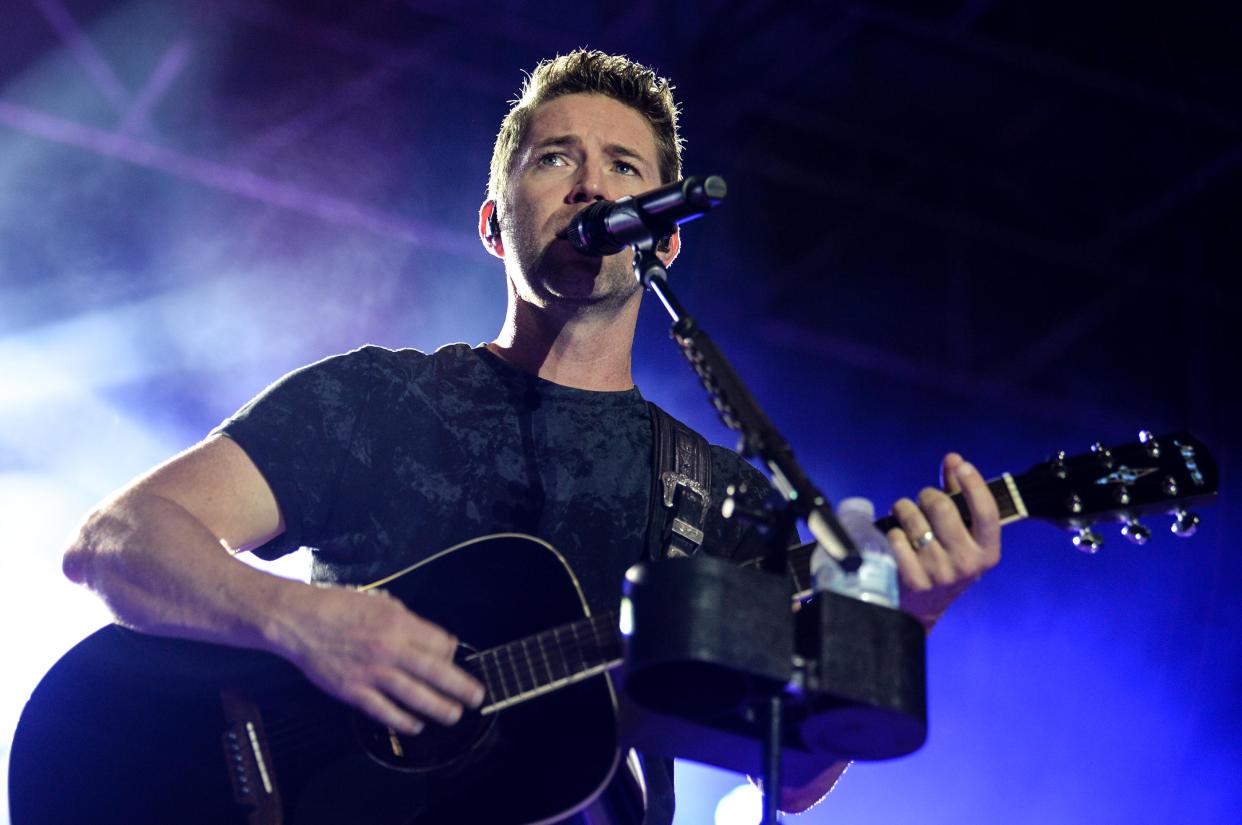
[{"x": 1155, "y": 474}]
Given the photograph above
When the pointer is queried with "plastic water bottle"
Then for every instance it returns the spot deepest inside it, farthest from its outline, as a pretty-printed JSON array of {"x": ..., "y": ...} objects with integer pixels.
[{"x": 875, "y": 580}]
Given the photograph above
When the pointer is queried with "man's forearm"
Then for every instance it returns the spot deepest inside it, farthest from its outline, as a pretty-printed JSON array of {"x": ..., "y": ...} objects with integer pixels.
[
  {"x": 155, "y": 553},
  {"x": 162, "y": 571}
]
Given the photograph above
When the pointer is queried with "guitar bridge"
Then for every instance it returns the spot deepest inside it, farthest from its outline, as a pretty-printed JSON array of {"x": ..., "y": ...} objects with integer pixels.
[{"x": 248, "y": 761}]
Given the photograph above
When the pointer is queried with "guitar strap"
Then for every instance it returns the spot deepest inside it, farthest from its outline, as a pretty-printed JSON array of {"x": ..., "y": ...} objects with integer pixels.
[{"x": 681, "y": 493}]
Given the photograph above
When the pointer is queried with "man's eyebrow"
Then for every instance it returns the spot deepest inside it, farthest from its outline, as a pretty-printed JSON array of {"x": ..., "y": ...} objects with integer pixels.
[
  {"x": 619, "y": 150},
  {"x": 556, "y": 140}
]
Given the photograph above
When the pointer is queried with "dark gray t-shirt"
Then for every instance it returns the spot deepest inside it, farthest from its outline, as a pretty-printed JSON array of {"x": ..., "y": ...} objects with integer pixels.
[{"x": 379, "y": 458}]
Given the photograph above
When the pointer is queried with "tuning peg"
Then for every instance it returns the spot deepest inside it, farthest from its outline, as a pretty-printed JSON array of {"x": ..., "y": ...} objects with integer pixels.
[
  {"x": 1148, "y": 440},
  {"x": 1136, "y": 532},
  {"x": 1087, "y": 540},
  {"x": 1103, "y": 454},
  {"x": 1185, "y": 523}
]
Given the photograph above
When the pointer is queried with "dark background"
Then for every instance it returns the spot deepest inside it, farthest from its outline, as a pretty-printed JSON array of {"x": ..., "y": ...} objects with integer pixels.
[{"x": 997, "y": 227}]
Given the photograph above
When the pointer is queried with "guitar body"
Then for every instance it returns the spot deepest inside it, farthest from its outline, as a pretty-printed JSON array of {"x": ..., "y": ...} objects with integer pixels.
[{"x": 132, "y": 728}]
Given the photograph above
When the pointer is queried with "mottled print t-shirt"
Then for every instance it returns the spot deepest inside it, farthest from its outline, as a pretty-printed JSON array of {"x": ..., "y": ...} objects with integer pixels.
[{"x": 379, "y": 458}]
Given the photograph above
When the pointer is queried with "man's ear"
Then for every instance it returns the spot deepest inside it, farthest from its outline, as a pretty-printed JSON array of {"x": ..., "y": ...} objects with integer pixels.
[
  {"x": 667, "y": 253},
  {"x": 489, "y": 229}
]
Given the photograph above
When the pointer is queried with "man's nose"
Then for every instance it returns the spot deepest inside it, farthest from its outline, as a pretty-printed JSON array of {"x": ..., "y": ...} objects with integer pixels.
[{"x": 589, "y": 186}]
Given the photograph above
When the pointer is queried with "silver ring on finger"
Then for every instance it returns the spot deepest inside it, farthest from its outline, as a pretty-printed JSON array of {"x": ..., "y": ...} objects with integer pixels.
[{"x": 924, "y": 539}]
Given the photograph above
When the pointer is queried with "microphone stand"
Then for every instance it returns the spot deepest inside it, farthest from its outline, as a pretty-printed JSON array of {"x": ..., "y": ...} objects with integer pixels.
[{"x": 740, "y": 412}]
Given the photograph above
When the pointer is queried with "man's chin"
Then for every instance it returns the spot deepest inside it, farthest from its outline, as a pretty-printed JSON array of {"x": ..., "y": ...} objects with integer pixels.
[{"x": 589, "y": 291}]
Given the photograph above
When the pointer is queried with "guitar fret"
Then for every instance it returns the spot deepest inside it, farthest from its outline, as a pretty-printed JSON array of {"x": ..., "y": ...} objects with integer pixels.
[
  {"x": 535, "y": 679},
  {"x": 503, "y": 688},
  {"x": 562, "y": 666},
  {"x": 577, "y": 647},
  {"x": 592, "y": 641},
  {"x": 1000, "y": 492},
  {"x": 543, "y": 656},
  {"x": 477, "y": 667},
  {"x": 559, "y": 647},
  {"x": 502, "y": 671},
  {"x": 584, "y": 644},
  {"x": 514, "y": 668},
  {"x": 486, "y": 671},
  {"x": 607, "y": 635}
]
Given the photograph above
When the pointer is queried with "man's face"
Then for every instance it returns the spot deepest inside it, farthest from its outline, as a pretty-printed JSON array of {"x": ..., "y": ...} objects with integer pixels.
[{"x": 578, "y": 149}]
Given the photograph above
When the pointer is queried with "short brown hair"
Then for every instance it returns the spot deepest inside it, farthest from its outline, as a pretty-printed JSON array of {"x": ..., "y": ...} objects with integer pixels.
[{"x": 591, "y": 72}]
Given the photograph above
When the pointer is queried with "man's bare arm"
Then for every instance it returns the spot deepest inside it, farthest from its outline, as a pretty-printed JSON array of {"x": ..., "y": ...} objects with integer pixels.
[{"x": 160, "y": 554}]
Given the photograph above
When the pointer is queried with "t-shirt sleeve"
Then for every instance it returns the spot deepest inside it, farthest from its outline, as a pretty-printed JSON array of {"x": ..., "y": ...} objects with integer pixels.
[{"x": 299, "y": 433}]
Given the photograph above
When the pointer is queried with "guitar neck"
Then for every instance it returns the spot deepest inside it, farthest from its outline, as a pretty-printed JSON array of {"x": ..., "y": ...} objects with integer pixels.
[
  {"x": 546, "y": 661},
  {"x": 1004, "y": 489}
]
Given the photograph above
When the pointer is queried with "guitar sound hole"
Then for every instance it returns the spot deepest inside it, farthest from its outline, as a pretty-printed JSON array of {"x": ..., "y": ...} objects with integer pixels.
[{"x": 437, "y": 747}]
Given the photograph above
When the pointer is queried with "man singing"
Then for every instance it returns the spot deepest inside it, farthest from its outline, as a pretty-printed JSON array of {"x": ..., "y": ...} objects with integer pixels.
[{"x": 378, "y": 458}]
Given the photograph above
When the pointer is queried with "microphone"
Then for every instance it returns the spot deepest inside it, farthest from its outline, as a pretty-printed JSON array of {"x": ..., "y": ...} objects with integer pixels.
[{"x": 607, "y": 227}]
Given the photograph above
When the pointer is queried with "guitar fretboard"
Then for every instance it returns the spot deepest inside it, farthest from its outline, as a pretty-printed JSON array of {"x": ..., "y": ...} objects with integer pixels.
[
  {"x": 537, "y": 664},
  {"x": 1004, "y": 489}
]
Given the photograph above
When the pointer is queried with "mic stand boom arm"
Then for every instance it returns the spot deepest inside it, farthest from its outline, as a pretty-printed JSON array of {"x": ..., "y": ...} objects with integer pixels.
[{"x": 741, "y": 413}]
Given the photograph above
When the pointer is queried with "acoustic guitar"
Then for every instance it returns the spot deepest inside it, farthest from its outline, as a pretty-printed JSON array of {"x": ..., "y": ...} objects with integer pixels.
[{"x": 129, "y": 728}]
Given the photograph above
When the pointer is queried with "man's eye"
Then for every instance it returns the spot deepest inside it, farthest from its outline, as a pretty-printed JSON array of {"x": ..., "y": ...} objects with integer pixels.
[
  {"x": 626, "y": 168},
  {"x": 551, "y": 159}
]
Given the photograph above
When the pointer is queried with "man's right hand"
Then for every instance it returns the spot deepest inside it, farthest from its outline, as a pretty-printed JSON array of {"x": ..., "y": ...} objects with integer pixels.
[{"x": 367, "y": 649}]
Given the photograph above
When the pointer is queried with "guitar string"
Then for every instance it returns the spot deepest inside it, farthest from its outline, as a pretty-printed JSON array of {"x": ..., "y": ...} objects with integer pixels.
[
  {"x": 307, "y": 737},
  {"x": 577, "y": 654}
]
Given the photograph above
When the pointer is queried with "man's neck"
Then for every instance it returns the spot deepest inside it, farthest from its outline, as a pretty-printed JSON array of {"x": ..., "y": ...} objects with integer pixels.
[{"x": 588, "y": 351}]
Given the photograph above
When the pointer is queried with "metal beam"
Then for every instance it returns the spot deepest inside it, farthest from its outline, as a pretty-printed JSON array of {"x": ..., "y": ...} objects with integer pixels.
[
  {"x": 1036, "y": 62},
  {"x": 1185, "y": 190},
  {"x": 1066, "y": 332},
  {"x": 428, "y": 53},
  {"x": 968, "y": 14},
  {"x": 303, "y": 29},
  {"x": 234, "y": 180},
  {"x": 311, "y": 119},
  {"x": 938, "y": 217},
  {"x": 931, "y": 376},
  {"x": 97, "y": 68},
  {"x": 166, "y": 70},
  {"x": 888, "y": 144}
]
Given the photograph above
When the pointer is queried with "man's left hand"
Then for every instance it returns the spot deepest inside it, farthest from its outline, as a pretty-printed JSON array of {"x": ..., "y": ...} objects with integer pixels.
[{"x": 938, "y": 556}]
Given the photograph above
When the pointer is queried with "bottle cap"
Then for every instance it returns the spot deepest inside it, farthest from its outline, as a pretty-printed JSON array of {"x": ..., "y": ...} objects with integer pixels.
[{"x": 856, "y": 505}]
